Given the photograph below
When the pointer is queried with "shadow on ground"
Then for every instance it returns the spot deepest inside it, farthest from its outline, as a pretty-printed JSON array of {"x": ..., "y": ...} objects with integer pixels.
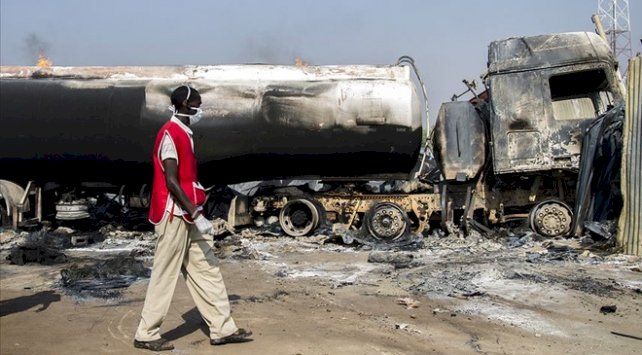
[{"x": 23, "y": 303}]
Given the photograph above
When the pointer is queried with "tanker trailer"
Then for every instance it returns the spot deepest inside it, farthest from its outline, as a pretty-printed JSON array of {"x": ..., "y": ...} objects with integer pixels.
[
  {"x": 83, "y": 129},
  {"x": 514, "y": 153}
]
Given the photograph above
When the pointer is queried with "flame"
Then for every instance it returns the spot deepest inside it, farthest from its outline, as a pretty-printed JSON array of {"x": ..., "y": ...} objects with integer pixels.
[
  {"x": 300, "y": 62},
  {"x": 43, "y": 62}
]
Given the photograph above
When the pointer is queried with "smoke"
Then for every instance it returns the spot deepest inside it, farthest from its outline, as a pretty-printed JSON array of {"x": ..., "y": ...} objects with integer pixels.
[
  {"x": 35, "y": 46},
  {"x": 270, "y": 49},
  {"x": 263, "y": 50}
]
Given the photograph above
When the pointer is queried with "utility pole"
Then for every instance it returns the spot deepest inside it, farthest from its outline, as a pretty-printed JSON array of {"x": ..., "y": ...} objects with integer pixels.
[{"x": 615, "y": 18}]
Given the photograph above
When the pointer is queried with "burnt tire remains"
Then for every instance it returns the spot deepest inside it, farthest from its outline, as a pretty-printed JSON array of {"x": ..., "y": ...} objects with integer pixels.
[{"x": 299, "y": 217}]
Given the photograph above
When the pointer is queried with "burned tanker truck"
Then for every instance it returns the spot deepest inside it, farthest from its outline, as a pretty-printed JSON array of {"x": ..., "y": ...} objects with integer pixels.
[
  {"x": 78, "y": 132},
  {"x": 355, "y": 138}
]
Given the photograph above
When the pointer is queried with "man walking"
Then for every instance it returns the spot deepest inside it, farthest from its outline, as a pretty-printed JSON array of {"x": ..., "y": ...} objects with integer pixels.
[{"x": 182, "y": 245}]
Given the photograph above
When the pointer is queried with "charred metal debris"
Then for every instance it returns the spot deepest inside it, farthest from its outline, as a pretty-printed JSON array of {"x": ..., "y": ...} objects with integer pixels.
[{"x": 103, "y": 279}]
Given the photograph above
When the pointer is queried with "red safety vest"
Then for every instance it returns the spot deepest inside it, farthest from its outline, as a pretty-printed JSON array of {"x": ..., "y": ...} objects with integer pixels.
[{"x": 187, "y": 177}]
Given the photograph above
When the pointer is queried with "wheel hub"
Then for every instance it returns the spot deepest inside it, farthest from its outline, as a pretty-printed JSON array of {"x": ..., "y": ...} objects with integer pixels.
[
  {"x": 387, "y": 222},
  {"x": 551, "y": 218},
  {"x": 300, "y": 218}
]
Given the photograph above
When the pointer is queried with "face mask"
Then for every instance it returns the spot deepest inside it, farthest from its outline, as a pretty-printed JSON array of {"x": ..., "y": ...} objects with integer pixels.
[{"x": 193, "y": 119}]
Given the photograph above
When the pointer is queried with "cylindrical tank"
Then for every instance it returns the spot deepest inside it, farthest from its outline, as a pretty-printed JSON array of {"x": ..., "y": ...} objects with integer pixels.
[{"x": 261, "y": 122}]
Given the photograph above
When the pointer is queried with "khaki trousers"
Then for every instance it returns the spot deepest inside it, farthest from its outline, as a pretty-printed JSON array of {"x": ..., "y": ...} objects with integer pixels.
[{"x": 182, "y": 248}]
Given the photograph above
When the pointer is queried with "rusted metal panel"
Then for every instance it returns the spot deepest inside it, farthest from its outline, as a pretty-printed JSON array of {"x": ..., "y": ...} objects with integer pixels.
[
  {"x": 459, "y": 141},
  {"x": 598, "y": 194},
  {"x": 629, "y": 235},
  {"x": 357, "y": 122}
]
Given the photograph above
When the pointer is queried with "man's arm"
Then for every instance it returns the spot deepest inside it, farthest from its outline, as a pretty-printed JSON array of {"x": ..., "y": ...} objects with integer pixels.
[{"x": 174, "y": 187}]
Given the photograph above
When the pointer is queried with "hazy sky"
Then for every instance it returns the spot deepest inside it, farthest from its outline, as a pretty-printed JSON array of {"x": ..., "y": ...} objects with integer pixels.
[{"x": 448, "y": 39}]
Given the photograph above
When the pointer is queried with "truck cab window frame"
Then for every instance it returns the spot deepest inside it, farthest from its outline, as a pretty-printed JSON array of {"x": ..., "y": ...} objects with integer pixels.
[{"x": 580, "y": 95}]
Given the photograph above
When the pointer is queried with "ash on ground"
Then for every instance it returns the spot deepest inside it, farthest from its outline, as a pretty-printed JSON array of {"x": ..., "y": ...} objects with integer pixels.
[
  {"x": 103, "y": 279},
  {"x": 480, "y": 267},
  {"x": 93, "y": 264}
]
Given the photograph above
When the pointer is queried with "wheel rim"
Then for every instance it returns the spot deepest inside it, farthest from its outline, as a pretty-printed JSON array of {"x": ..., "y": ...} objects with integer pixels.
[
  {"x": 387, "y": 221},
  {"x": 551, "y": 218},
  {"x": 299, "y": 217}
]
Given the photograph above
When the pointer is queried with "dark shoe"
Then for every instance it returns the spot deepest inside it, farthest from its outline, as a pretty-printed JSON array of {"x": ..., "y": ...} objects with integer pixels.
[
  {"x": 238, "y": 336},
  {"x": 154, "y": 345}
]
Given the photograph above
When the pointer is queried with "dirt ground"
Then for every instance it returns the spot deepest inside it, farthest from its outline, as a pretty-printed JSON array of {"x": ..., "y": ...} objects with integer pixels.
[{"x": 510, "y": 294}]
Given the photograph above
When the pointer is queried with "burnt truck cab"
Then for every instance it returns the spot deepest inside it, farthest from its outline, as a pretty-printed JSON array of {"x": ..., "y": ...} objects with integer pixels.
[
  {"x": 545, "y": 92},
  {"x": 516, "y": 152}
]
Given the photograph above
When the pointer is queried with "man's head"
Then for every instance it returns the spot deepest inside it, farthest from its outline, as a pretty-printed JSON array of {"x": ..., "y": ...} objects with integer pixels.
[
  {"x": 187, "y": 102},
  {"x": 185, "y": 97}
]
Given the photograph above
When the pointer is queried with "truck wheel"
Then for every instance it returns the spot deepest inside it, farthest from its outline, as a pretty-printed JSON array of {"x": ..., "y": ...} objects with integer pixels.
[
  {"x": 551, "y": 218},
  {"x": 387, "y": 221},
  {"x": 299, "y": 217}
]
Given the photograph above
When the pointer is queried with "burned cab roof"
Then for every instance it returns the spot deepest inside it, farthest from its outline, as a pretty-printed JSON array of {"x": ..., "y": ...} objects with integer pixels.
[{"x": 522, "y": 53}]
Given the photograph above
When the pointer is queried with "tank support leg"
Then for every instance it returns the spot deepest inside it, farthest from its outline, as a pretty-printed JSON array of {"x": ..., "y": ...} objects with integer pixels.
[{"x": 20, "y": 205}]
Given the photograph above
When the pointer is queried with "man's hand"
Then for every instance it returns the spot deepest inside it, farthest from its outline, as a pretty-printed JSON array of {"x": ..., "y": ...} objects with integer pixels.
[
  {"x": 171, "y": 180},
  {"x": 203, "y": 224}
]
